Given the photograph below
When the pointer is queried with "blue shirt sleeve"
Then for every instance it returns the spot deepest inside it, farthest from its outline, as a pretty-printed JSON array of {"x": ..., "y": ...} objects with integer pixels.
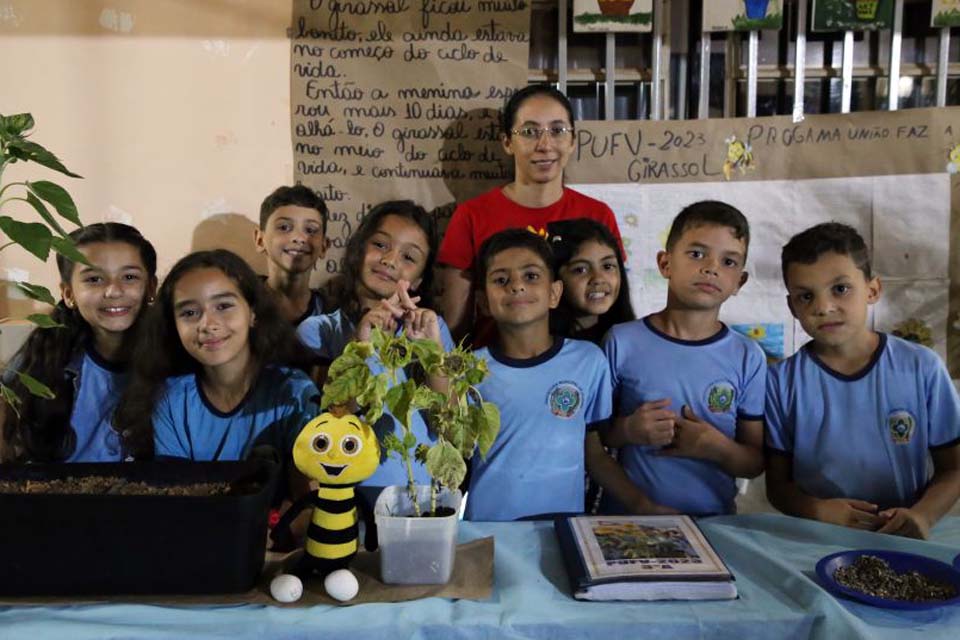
[
  {"x": 318, "y": 333},
  {"x": 754, "y": 386},
  {"x": 304, "y": 407},
  {"x": 600, "y": 403},
  {"x": 610, "y": 351},
  {"x": 169, "y": 435},
  {"x": 445, "y": 338},
  {"x": 943, "y": 404},
  {"x": 778, "y": 432}
]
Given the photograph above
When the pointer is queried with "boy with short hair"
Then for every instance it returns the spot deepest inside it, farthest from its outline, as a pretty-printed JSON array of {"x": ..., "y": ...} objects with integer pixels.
[
  {"x": 853, "y": 416},
  {"x": 550, "y": 391},
  {"x": 292, "y": 234},
  {"x": 689, "y": 391}
]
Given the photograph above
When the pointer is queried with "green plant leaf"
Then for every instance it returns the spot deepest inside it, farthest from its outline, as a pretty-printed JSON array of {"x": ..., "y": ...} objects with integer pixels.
[
  {"x": 17, "y": 124},
  {"x": 11, "y": 397},
  {"x": 37, "y": 292},
  {"x": 59, "y": 198},
  {"x": 446, "y": 465},
  {"x": 391, "y": 444},
  {"x": 399, "y": 399},
  {"x": 409, "y": 440},
  {"x": 488, "y": 427},
  {"x": 44, "y": 321},
  {"x": 41, "y": 208},
  {"x": 371, "y": 398},
  {"x": 33, "y": 152},
  {"x": 32, "y": 236},
  {"x": 35, "y": 387},
  {"x": 420, "y": 453},
  {"x": 345, "y": 385},
  {"x": 429, "y": 354},
  {"x": 66, "y": 248}
]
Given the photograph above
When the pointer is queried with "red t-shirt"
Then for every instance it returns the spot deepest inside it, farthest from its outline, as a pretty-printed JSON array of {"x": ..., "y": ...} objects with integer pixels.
[{"x": 476, "y": 220}]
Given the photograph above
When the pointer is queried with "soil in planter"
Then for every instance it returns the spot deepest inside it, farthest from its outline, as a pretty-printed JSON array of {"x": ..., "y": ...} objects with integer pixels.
[
  {"x": 110, "y": 485},
  {"x": 441, "y": 512}
]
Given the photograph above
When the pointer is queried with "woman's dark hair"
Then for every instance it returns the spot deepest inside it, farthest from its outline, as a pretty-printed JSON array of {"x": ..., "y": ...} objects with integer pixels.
[
  {"x": 42, "y": 432},
  {"x": 566, "y": 237},
  {"x": 512, "y": 239},
  {"x": 160, "y": 354},
  {"x": 509, "y": 113},
  {"x": 345, "y": 289}
]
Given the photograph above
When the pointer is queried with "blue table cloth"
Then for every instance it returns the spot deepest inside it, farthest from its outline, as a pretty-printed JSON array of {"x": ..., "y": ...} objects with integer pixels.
[{"x": 772, "y": 557}]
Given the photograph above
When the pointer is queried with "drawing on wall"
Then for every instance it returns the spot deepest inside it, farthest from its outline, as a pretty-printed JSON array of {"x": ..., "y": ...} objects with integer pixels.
[
  {"x": 945, "y": 13},
  {"x": 613, "y": 15},
  {"x": 742, "y": 15},
  {"x": 739, "y": 157},
  {"x": 857, "y": 15},
  {"x": 915, "y": 330},
  {"x": 769, "y": 335}
]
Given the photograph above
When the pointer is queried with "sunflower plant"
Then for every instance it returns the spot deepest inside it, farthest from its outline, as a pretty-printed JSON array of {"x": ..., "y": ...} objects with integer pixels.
[
  {"x": 462, "y": 421},
  {"x": 38, "y": 238}
]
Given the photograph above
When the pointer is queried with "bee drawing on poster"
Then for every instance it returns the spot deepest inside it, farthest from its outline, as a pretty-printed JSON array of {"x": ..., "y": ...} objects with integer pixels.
[
  {"x": 742, "y": 15},
  {"x": 739, "y": 157},
  {"x": 854, "y": 15},
  {"x": 613, "y": 15},
  {"x": 953, "y": 159},
  {"x": 945, "y": 13}
]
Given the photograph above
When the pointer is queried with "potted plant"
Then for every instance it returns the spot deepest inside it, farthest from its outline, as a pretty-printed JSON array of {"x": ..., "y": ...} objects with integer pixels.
[
  {"x": 37, "y": 238},
  {"x": 416, "y": 524}
]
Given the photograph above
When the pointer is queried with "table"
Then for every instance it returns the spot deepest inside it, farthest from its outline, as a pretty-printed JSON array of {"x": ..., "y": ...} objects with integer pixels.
[{"x": 772, "y": 556}]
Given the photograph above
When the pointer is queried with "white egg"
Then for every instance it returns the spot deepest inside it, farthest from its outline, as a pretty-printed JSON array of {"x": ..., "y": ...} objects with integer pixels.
[
  {"x": 341, "y": 585},
  {"x": 286, "y": 588}
]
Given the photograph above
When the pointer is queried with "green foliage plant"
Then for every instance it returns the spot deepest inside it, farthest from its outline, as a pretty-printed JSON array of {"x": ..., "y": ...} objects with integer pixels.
[
  {"x": 38, "y": 238},
  {"x": 461, "y": 420}
]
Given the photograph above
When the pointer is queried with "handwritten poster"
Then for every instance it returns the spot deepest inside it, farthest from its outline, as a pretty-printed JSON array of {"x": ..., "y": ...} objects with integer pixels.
[
  {"x": 742, "y": 15},
  {"x": 945, "y": 13},
  {"x": 399, "y": 99},
  {"x": 613, "y": 15},
  {"x": 893, "y": 176}
]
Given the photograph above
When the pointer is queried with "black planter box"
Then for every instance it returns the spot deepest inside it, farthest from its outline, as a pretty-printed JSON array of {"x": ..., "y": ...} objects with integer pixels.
[{"x": 115, "y": 544}]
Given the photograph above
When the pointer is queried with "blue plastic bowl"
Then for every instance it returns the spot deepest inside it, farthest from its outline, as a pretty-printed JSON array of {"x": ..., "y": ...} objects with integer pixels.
[{"x": 899, "y": 562}]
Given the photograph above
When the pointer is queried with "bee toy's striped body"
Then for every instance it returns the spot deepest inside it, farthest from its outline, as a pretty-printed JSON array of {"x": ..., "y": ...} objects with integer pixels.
[{"x": 332, "y": 536}]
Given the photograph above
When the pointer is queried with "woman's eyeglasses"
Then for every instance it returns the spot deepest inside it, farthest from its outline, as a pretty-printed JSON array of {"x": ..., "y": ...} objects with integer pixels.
[{"x": 535, "y": 133}]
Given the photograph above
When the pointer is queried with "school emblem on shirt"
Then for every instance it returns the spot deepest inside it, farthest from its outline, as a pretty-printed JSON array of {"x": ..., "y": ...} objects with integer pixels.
[
  {"x": 901, "y": 425},
  {"x": 564, "y": 399},
  {"x": 720, "y": 396}
]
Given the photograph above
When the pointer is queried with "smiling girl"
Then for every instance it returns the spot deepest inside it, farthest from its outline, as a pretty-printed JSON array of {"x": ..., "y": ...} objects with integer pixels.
[
  {"x": 84, "y": 362},
  {"x": 210, "y": 381}
]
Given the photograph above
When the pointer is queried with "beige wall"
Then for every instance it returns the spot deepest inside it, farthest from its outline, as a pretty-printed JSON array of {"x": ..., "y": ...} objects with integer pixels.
[{"x": 174, "y": 111}]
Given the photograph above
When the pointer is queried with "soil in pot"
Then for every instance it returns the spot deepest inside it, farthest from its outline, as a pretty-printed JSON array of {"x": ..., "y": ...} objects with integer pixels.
[{"x": 111, "y": 485}]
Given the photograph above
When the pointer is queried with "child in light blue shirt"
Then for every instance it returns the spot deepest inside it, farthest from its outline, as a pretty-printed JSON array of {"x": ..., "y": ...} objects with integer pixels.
[{"x": 863, "y": 428}]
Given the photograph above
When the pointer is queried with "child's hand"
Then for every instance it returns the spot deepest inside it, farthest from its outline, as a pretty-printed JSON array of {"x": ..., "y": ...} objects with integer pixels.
[
  {"x": 693, "y": 437},
  {"x": 422, "y": 324},
  {"x": 905, "y": 522},
  {"x": 383, "y": 316},
  {"x": 652, "y": 424},
  {"x": 847, "y": 512}
]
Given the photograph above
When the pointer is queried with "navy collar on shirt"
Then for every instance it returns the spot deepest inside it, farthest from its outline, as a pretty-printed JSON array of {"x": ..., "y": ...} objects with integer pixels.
[
  {"x": 218, "y": 412},
  {"x": 690, "y": 343},
  {"x": 859, "y": 374},
  {"x": 525, "y": 363},
  {"x": 100, "y": 361}
]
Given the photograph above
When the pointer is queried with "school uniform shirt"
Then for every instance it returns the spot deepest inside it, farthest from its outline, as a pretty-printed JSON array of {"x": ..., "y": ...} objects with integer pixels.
[
  {"x": 547, "y": 404},
  {"x": 277, "y": 406},
  {"x": 721, "y": 379},
  {"x": 98, "y": 385},
  {"x": 327, "y": 335},
  {"x": 865, "y": 436},
  {"x": 315, "y": 307}
]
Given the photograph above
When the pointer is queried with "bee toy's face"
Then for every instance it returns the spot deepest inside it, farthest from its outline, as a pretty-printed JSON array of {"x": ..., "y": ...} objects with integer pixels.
[{"x": 336, "y": 450}]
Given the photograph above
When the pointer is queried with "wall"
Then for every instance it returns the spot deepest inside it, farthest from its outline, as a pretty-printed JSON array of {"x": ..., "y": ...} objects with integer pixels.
[{"x": 176, "y": 112}]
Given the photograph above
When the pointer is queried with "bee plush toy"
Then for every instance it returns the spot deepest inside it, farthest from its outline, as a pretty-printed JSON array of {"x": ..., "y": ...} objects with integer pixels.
[{"x": 338, "y": 452}]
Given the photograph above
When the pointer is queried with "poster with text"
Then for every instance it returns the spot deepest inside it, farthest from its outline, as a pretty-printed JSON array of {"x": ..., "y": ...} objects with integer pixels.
[
  {"x": 742, "y": 15},
  {"x": 612, "y": 15},
  {"x": 894, "y": 177},
  {"x": 945, "y": 13},
  {"x": 393, "y": 100},
  {"x": 855, "y": 15}
]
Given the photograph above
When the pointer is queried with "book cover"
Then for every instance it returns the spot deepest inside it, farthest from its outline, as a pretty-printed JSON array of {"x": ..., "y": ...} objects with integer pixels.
[{"x": 641, "y": 558}]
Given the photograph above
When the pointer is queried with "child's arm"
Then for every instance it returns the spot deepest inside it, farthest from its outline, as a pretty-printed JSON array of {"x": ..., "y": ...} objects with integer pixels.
[
  {"x": 939, "y": 496},
  {"x": 696, "y": 438},
  {"x": 784, "y": 494},
  {"x": 651, "y": 424},
  {"x": 608, "y": 473}
]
